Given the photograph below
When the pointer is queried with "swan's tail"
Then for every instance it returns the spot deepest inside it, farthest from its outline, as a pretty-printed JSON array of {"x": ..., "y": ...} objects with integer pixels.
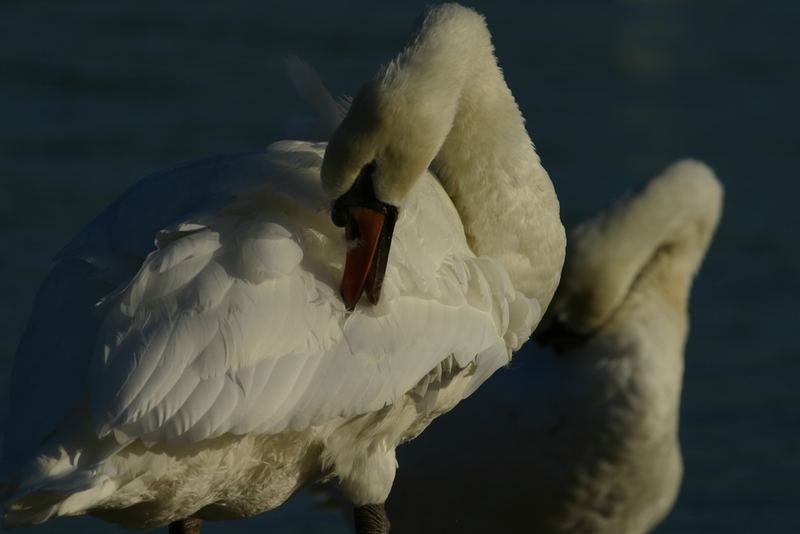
[
  {"x": 41, "y": 505},
  {"x": 25, "y": 504},
  {"x": 55, "y": 483}
]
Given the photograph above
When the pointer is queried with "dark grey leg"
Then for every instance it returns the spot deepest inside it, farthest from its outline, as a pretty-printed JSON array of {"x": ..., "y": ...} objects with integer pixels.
[
  {"x": 371, "y": 519},
  {"x": 185, "y": 526}
]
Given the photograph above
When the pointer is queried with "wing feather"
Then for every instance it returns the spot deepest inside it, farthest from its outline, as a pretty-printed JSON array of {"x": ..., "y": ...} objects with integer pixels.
[
  {"x": 164, "y": 410},
  {"x": 212, "y": 422},
  {"x": 200, "y": 401},
  {"x": 231, "y": 323}
]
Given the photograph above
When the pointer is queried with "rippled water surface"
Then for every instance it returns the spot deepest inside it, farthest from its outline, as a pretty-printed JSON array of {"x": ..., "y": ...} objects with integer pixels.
[{"x": 96, "y": 94}]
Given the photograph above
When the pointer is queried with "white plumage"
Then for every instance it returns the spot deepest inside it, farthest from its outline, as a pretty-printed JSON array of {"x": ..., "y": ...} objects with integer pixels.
[
  {"x": 189, "y": 354},
  {"x": 233, "y": 325}
]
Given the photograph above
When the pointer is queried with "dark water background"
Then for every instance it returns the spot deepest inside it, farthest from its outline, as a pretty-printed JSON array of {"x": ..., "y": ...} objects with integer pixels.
[{"x": 96, "y": 94}]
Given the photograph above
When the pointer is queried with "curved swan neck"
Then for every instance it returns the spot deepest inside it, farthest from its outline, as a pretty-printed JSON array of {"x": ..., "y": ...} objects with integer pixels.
[
  {"x": 443, "y": 102},
  {"x": 672, "y": 219},
  {"x": 482, "y": 153}
]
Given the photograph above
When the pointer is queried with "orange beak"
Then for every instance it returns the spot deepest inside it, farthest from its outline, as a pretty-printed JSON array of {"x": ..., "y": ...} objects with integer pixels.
[
  {"x": 363, "y": 232},
  {"x": 369, "y": 225},
  {"x": 369, "y": 237}
]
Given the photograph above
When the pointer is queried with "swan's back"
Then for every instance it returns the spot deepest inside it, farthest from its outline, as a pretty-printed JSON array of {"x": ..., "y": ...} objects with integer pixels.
[{"x": 198, "y": 316}]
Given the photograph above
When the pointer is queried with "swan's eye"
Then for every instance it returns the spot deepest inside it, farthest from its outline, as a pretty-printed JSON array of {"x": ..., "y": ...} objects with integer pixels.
[{"x": 368, "y": 170}]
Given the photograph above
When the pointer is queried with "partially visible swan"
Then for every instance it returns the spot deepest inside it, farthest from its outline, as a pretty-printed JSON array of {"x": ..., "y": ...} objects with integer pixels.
[
  {"x": 190, "y": 356},
  {"x": 583, "y": 439}
]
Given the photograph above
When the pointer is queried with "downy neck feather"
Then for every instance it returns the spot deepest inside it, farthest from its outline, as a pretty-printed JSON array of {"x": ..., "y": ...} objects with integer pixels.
[{"x": 443, "y": 103}]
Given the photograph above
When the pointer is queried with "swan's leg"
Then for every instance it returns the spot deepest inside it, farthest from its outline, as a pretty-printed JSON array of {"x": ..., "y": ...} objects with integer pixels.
[
  {"x": 371, "y": 519},
  {"x": 185, "y": 526}
]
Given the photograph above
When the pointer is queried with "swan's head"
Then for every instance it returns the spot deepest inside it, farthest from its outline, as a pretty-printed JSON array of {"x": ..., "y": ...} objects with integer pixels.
[
  {"x": 370, "y": 165},
  {"x": 655, "y": 237},
  {"x": 395, "y": 127},
  {"x": 385, "y": 139}
]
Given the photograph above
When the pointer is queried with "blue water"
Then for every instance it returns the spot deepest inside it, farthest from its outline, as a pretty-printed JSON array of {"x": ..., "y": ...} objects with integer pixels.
[{"x": 95, "y": 94}]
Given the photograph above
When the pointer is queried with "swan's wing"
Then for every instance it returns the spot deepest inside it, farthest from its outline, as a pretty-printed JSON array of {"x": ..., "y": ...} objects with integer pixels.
[
  {"x": 50, "y": 369},
  {"x": 234, "y": 324}
]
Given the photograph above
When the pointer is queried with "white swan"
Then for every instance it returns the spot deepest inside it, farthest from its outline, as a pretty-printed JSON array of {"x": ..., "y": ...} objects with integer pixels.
[
  {"x": 592, "y": 445},
  {"x": 212, "y": 375}
]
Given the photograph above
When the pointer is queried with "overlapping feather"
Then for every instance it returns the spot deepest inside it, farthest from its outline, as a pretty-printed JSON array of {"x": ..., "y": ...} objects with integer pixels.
[{"x": 232, "y": 322}]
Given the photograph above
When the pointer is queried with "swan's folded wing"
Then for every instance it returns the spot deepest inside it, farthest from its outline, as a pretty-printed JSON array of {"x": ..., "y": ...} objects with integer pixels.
[
  {"x": 229, "y": 328},
  {"x": 51, "y": 367},
  {"x": 212, "y": 316},
  {"x": 233, "y": 324}
]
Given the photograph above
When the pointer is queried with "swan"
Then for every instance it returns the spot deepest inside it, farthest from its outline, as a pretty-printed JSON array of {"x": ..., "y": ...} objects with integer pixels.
[
  {"x": 212, "y": 342},
  {"x": 583, "y": 438}
]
